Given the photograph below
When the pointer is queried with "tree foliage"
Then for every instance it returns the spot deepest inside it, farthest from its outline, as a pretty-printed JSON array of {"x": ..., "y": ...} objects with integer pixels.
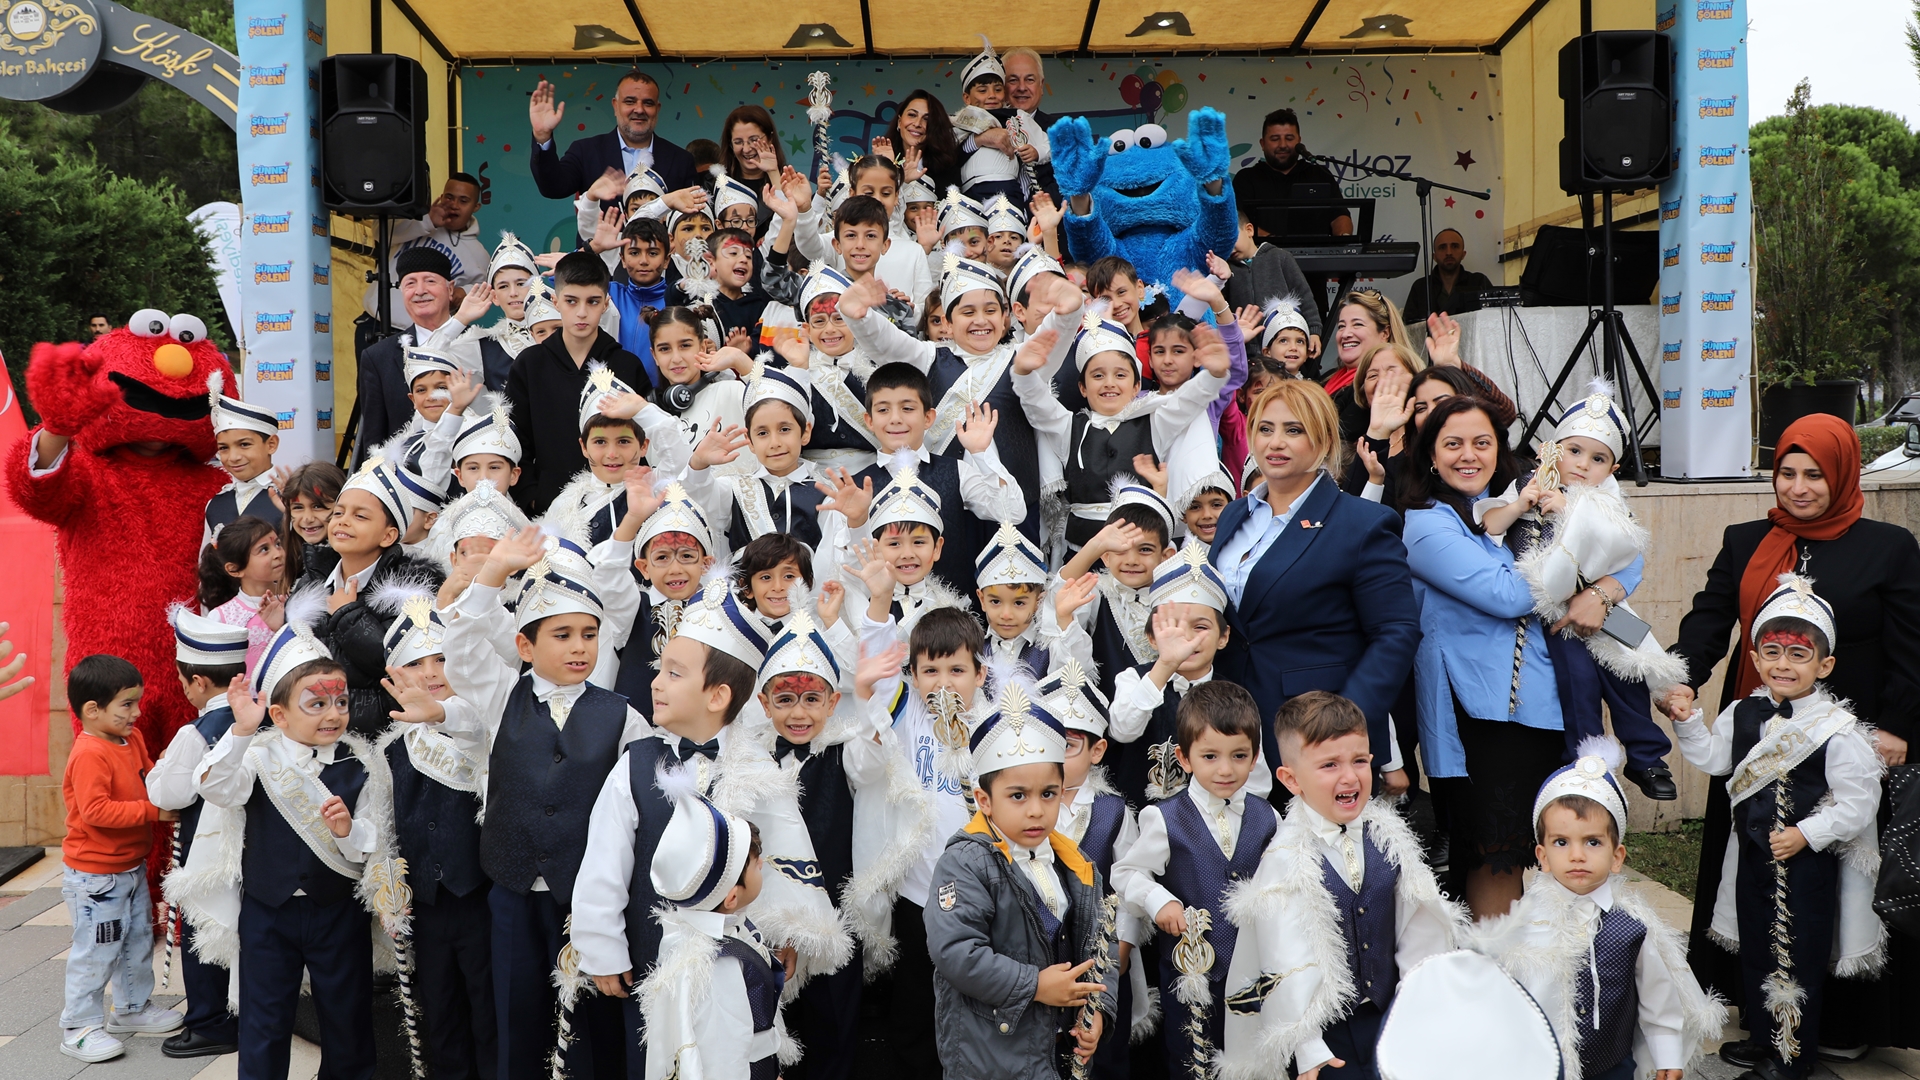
[
  {"x": 81, "y": 240},
  {"x": 159, "y": 135}
]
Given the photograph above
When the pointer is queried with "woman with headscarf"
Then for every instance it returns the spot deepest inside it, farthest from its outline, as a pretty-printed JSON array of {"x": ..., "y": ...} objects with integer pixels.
[{"x": 1870, "y": 572}]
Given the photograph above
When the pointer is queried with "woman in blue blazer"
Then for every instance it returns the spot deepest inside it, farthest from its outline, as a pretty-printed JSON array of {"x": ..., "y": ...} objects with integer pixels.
[
  {"x": 1490, "y": 723},
  {"x": 1322, "y": 599}
]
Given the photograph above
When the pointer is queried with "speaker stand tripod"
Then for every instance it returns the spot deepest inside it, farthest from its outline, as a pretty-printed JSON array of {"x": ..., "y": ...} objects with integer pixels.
[
  {"x": 1615, "y": 350},
  {"x": 383, "y": 310}
]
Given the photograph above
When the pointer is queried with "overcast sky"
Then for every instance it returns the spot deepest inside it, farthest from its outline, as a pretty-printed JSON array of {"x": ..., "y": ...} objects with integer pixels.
[{"x": 1855, "y": 51}]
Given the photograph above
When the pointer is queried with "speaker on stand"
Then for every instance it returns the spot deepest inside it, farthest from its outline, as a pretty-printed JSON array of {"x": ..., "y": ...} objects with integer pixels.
[
  {"x": 1617, "y": 90},
  {"x": 373, "y": 158}
]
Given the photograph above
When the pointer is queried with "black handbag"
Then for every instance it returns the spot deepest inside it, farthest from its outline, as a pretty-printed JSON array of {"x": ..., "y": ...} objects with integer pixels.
[{"x": 1896, "y": 897}]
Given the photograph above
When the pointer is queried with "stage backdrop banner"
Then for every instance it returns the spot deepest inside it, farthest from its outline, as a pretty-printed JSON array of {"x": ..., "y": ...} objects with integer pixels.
[
  {"x": 287, "y": 305},
  {"x": 28, "y": 547},
  {"x": 1431, "y": 116},
  {"x": 1706, "y": 231}
]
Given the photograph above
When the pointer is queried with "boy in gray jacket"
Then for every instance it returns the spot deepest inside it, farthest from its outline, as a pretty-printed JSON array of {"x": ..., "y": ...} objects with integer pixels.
[{"x": 1017, "y": 914}]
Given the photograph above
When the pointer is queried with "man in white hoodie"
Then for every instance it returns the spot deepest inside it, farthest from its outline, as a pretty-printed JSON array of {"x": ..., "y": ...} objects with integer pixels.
[{"x": 449, "y": 228}]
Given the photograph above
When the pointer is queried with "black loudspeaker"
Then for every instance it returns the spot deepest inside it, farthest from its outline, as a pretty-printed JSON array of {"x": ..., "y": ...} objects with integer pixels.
[
  {"x": 373, "y": 135},
  {"x": 1617, "y": 86},
  {"x": 1564, "y": 267}
]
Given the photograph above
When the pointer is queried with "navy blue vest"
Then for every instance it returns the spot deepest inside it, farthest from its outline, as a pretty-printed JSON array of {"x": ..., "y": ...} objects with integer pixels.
[
  {"x": 1135, "y": 760},
  {"x": 635, "y": 680},
  {"x": 1093, "y": 460},
  {"x": 211, "y": 726},
  {"x": 1199, "y": 875},
  {"x": 763, "y": 998},
  {"x": 795, "y": 512},
  {"x": 965, "y": 535},
  {"x": 1367, "y": 922},
  {"x": 1616, "y": 952},
  {"x": 1804, "y": 785},
  {"x": 224, "y": 509},
  {"x": 831, "y": 431},
  {"x": 1103, "y": 831},
  {"x": 1111, "y": 653},
  {"x": 654, "y": 812},
  {"x": 436, "y": 829},
  {"x": 606, "y": 519},
  {"x": 826, "y": 805},
  {"x": 276, "y": 862},
  {"x": 1018, "y": 446},
  {"x": 544, "y": 781}
]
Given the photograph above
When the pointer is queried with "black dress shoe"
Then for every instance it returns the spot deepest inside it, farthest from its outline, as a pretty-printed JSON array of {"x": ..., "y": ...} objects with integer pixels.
[
  {"x": 192, "y": 1044},
  {"x": 1766, "y": 1070},
  {"x": 1657, "y": 782},
  {"x": 1746, "y": 1053}
]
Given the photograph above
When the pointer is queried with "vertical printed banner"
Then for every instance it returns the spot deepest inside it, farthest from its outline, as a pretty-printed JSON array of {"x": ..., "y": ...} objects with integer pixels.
[
  {"x": 285, "y": 265},
  {"x": 1706, "y": 230}
]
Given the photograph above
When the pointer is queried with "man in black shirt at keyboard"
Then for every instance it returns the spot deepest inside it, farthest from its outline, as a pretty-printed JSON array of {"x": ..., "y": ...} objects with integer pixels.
[{"x": 1276, "y": 174}]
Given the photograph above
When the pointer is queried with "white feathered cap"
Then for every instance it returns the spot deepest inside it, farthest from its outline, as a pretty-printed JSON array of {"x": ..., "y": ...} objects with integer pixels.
[
  {"x": 1010, "y": 559},
  {"x": 561, "y": 583},
  {"x": 821, "y": 281},
  {"x": 1098, "y": 335},
  {"x": 644, "y": 180},
  {"x": 987, "y": 63},
  {"x": 1282, "y": 313},
  {"x": 487, "y": 428},
  {"x": 416, "y": 631},
  {"x": 961, "y": 276},
  {"x": 420, "y": 360},
  {"x": 730, "y": 192},
  {"x": 1125, "y": 489},
  {"x": 905, "y": 499},
  {"x": 1594, "y": 417},
  {"x": 1075, "y": 700},
  {"x": 703, "y": 850},
  {"x": 801, "y": 650},
  {"x": 917, "y": 190},
  {"x": 1035, "y": 262},
  {"x": 540, "y": 309},
  {"x": 789, "y": 384},
  {"x": 1003, "y": 216},
  {"x": 1188, "y": 578},
  {"x": 204, "y": 642},
  {"x": 293, "y": 644},
  {"x": 511, "y": 252},
  {"x": 386, "y": 481},
  {"x": 678, "y": 513},
  {"x": 1591, "y": 775},
  {"x": 957, "y": 212},
  {"x": 484, "y": 511},
  {"x": 1795, "y": 599},
  {"x": 1020, "y": 731},
  {"x": 230, "y": 413},
  {"x": 715, "y": 618},
  {"x": 601, "y": 382}
]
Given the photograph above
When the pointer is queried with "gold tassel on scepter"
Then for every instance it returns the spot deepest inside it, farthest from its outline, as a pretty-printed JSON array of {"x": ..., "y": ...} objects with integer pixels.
[
  {"x": 392, "y": 900},
  {"x": 1784, "y": 996},
  {"x": 1193, "y": 958},
  {"x": 1101, "y": 970}
]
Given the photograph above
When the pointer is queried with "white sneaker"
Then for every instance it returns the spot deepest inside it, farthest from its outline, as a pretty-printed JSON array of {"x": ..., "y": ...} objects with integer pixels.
[
  {"x": 91, "y": 1043},
  {"x": 150, "y": 1020}
]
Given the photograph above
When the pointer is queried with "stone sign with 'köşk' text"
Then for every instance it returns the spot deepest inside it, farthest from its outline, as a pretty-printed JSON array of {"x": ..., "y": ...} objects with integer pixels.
[
  {"x": 48, "y": 47},
  {"x": 86, "y": 56}
]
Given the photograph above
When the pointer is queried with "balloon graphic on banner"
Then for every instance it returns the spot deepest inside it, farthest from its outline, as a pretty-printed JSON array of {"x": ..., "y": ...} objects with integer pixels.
[{"x": 1152, "y": 91}]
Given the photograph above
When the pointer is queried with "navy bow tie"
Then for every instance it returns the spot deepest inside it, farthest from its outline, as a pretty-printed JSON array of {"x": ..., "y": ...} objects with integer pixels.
[
  {"x": 781, "y": 748},
  {"x": 1784, "y": 710},
  {"x": 709, "y": 749}
]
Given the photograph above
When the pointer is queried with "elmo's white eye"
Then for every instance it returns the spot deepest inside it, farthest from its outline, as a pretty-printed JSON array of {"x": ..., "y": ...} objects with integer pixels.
[
  {"x": 1120, "y": 141},
  {"x": 148, "y": 322},
  {"x": 1148, "y": 136},
  {"x": 187, "y": 329}
]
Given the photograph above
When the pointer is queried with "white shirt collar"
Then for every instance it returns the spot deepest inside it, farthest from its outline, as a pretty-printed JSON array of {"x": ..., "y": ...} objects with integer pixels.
[
  {"x": 544, "y": 690},
  {"x": 337, "y": 581},
  {"x": 1601, "y": 897},
  {"x": 1328, "y": 831},
  {"x": 714, "y": 924},
  {"x": 217, "y": 701},
  {"x": 1258, "y": 496},
  {"x": 885, "y": 457},
  {"x": 1182, "y": 684},
  {"x": 1210, "y": 804},
  {"x": 801, "y": 473}
]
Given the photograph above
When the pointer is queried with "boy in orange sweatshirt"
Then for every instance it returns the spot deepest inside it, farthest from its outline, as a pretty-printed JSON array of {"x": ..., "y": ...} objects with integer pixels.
[{"x": 109, "y": 834}]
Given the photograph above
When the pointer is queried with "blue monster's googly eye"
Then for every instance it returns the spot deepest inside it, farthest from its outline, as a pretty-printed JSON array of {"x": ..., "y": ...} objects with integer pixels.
[
  {"x": 1148, "y": 136},
  {"x": 1120, "y": 141}
]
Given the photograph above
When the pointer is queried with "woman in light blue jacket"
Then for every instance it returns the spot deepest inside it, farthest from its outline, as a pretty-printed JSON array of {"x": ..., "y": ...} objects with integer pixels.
[{"x": 1490, "y": 722}]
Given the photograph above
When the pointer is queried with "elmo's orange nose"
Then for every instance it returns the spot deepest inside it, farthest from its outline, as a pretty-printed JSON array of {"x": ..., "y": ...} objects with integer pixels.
[{"x": 173, "y": 361}]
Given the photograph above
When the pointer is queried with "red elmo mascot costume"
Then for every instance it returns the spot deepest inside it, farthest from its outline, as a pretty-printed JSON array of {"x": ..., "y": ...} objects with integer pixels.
[{"x": 119, "y": 465}]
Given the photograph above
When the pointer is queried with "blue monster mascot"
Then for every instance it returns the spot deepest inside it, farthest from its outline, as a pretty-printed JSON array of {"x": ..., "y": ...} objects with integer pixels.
[{"x": 1160, "y": 204}]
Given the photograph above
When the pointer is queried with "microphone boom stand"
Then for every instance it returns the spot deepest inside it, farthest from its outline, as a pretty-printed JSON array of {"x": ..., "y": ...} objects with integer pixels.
[{"x": 1423, "y": 190}]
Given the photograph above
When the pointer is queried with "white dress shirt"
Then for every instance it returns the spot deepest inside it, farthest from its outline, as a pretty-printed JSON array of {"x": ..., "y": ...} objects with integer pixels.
[
  {"x": 1245, "y": 548},
  {"x": 173, "y": 782},
  {"x": 229, "y": 781},
  {"x": 1135, "y": 698},
  {"x": 1136, "y": 874}
]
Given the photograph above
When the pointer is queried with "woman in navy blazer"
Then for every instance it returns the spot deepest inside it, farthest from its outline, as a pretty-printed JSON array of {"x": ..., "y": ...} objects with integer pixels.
[{"x": 1322, "y": 599}]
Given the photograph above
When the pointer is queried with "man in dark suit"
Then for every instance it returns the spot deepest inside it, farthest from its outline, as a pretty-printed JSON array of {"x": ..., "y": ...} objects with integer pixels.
[
  {"x": 425, "y": 277},
  {"x": 632, "y": 145}
]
